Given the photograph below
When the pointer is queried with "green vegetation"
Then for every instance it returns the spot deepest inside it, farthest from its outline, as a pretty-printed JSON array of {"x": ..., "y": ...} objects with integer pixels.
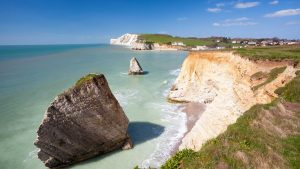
[
  {"x": 85, "y": 78},
  {"x": 190, "y": 41},
  {"x": 270, "y": 76},
  {"x": 264, "y": 137},
  {"x": 289, "y": 52},
  {"x": 291, "y": 91},
  {"x": 173, "y": 162}
]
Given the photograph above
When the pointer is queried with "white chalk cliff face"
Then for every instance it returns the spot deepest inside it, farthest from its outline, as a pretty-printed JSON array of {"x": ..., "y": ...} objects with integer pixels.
[
  {"x": 221, "y": 80},
  {"x": 132, "y": 41},
  {"x": 126, "y": 40}
]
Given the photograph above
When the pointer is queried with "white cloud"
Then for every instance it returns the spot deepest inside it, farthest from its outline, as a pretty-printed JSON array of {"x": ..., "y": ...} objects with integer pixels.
[
  {"x": 274, "y": 2},
  {"x": 285, "y": 12},
  {"x": 214, "y": 10},
  {"x": 243, "y": 21},
  {"x": 242, "y": 5},
  {"x": 182, "y": 18},
  {"x": 293, "y": 23}
]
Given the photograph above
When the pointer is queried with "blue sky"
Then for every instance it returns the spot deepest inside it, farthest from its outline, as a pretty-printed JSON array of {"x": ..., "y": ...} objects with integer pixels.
[{"x": 96, "y": 21}]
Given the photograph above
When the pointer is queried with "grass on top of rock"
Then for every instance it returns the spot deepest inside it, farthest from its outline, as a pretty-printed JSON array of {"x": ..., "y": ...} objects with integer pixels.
[
  {"x": 85, "y": 78},
  {"x": 272, "y": 75},
  {"x": 286, "y": 52},
  {"x": 265, "y": 136}
]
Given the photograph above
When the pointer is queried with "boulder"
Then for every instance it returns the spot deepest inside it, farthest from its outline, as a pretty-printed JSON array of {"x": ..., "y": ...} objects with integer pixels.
[
  {"x": 135, "y": 67},
  {"x": 82, "y": 122}
]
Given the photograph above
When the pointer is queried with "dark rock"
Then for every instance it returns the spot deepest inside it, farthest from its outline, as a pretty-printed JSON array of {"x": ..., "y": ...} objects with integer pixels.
[
  {"x": 135, "y": 67},
  {"x": 81, "y": 123},
  {"x": 128, "y": 144}
]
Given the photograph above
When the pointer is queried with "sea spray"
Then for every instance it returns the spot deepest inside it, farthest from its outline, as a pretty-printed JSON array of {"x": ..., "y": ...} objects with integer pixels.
[
  {"x": 166, "y": 143},
  {"x": 175, "y": 119}
]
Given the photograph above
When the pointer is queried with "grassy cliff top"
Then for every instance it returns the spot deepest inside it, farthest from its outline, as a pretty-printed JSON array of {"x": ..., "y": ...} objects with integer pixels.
[
  {"x": 85, "y": 78},
  {"x": 189, "y": 41},
  {"x": 287, "y": 52},
  {"x": 265, "y": 136}
]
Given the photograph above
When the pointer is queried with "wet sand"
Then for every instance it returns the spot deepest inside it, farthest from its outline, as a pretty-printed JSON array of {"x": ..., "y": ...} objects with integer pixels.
[{"x": 193, "y": 111}]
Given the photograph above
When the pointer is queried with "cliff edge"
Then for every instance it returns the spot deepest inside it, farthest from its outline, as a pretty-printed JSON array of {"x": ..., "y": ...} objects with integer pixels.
[{"x": 222, "y": 81}]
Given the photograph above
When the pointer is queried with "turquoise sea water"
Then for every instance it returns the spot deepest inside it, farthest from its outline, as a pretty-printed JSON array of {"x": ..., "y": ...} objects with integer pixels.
[{"x": 31, "y": 76}]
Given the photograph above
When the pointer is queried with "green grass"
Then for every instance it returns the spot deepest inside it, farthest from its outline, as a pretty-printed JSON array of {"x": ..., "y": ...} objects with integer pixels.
[
  {"x": 270, "y": 76},
  {"x": 289, "y": 52},
  {"x": 252, "y": 141},
  {"x": 167, "y": 39},
  {"x": 85, "y": 78},
  {"x": 291, "y": 91}
]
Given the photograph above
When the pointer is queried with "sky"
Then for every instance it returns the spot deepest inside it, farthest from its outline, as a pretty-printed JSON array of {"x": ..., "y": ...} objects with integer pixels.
[{"x": 96, "y": 21}]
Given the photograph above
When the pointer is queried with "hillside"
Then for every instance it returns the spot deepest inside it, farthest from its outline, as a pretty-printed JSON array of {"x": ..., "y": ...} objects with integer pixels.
[
  {"x": 265, "y": 136},
  {"x": 285, "y": 52},
  {"x": 188, "y": 41}
]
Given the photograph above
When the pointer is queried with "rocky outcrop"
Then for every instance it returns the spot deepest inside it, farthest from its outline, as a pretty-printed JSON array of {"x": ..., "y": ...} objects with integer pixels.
[
  {"x": 135, "y": 67},
  {"x": 125, "y": 40},
  {"x": 143, "y": 46},
  {"x": 81, "y": 123},
  {"x": 222, "y": 81}
]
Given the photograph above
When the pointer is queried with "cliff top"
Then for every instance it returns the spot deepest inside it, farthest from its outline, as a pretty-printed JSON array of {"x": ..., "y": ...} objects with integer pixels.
[{"x": 87, "y": 77}]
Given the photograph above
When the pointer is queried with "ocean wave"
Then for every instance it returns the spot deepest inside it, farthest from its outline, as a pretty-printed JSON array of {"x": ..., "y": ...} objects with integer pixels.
[
  {"x": 124, "y": 74},
  {"x": 31, "y": 155},
  {"x": 174, "y": 72},
  {"x": 170, "y": 138},
  {"x": 124, "y": 95}
]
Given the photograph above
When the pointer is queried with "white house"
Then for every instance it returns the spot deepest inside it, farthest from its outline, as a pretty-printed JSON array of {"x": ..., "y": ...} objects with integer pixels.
[
  {"x": 178, "y": 44},
  {"x": 200, "y": 48}
]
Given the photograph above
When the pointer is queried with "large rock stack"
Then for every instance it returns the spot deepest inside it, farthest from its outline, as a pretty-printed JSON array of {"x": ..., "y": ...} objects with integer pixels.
[
  {"x": 135, "y": 67},
  {"x": 82, "y": 122}
]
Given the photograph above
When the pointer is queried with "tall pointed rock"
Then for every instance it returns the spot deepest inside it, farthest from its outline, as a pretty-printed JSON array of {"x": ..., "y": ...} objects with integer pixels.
[{"x": 135, "y": 67}]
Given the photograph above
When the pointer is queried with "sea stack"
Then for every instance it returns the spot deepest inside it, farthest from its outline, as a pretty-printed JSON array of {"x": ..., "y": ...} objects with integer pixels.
[
  {"x": 135, "y": 67},
  {"x": 82, "y": 122}
]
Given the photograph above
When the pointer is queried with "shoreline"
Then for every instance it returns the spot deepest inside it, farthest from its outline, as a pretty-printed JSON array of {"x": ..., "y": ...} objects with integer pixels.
[{"x": 193, "y": 111}]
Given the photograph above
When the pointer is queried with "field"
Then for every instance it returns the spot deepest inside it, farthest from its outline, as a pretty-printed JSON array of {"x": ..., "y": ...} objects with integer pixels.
[
  {"x": 189, "y": 41},
  {"x": 288, "y": 52}
]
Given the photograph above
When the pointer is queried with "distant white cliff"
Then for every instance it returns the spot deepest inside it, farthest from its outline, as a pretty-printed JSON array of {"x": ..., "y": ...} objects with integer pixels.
[
  {"x": 126, "y": 40},
  {"x": 132, "y": 41}
]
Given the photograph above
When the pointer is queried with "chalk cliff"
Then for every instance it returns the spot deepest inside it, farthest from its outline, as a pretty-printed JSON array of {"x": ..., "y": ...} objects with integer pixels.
[
  {"x": 132, "y": 41},
  {"x": 81, "y": 123},
  {"x": 221, "y": 80},
  {"x": 125, "y": 40}
]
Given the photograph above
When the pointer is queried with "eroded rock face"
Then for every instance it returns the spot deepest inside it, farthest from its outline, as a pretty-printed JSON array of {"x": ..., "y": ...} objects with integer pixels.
[
  {"x": 135, "y": 67},
  {"x": 82, "y": 122}
]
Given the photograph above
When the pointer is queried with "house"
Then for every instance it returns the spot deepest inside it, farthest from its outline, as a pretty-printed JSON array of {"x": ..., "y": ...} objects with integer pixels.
[
  {"x": 220, "y": 47},
  {"x": 236, "y": 47},
  {"x": 200, "y": 48},
  {"x": 178, "y": 44},
  {"x": 252, "y": 43},
  {"x": 218, "y": 40}
]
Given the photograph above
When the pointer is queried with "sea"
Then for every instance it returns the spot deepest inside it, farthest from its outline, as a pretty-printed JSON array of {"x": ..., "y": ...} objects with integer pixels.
[{"x": 32, "y": 75}]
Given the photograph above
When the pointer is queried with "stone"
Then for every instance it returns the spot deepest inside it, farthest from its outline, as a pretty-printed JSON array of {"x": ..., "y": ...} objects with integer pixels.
[
  {"x": 128, "y": 144},
  {"x": 82, "y": 122},
  {"x": 135, "y": 67}
]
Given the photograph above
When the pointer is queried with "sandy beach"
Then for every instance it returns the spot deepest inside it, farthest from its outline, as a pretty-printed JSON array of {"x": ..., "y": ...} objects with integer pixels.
[{"x": 193, "y": 111}]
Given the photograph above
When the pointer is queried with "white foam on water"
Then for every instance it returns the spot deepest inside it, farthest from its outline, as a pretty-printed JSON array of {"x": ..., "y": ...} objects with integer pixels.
[
  {"x": 124, "y": 95},
  {"x": 171, "y": 136},
  {"x": 31, "y": 155},
  {"x": 124, "y": 74},
  {"x": 174, "y": 72}
]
